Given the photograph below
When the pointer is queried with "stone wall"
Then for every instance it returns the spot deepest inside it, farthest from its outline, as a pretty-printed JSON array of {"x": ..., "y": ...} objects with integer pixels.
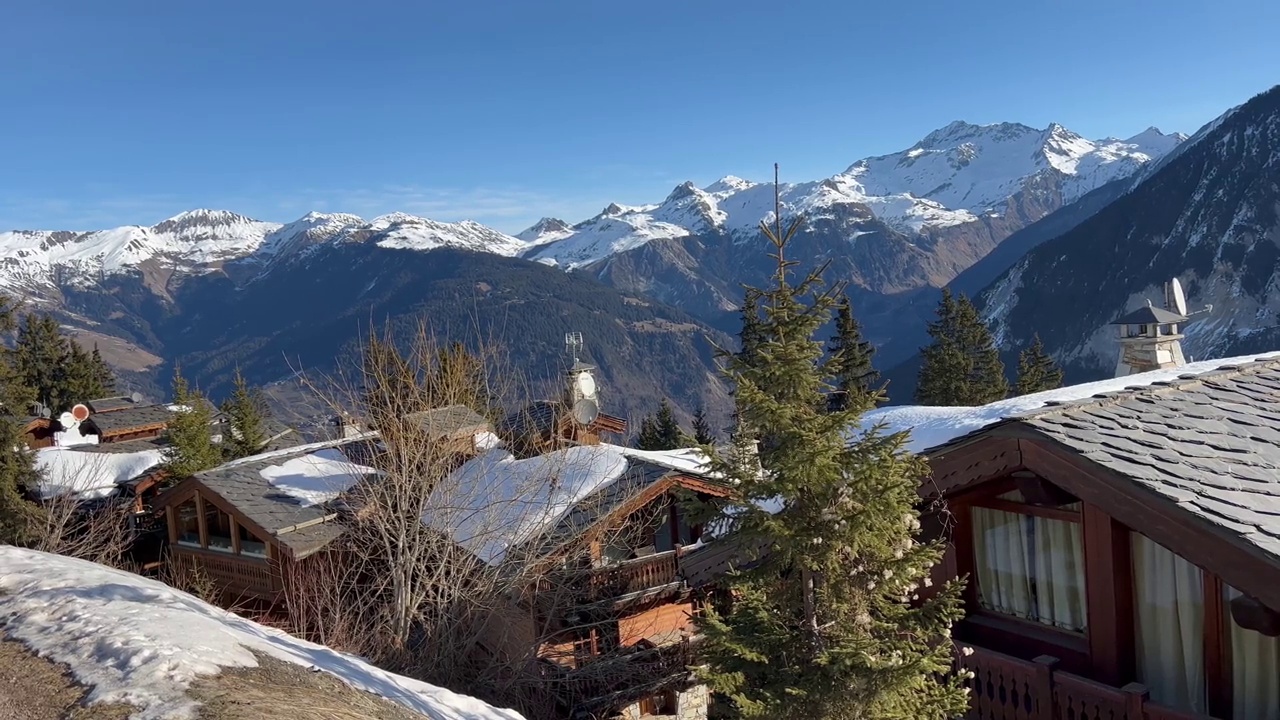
[{"x": 692, "y": 703}]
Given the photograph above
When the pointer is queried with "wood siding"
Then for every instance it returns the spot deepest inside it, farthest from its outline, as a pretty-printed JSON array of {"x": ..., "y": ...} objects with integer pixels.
[
  {"x": 659, "y": 621},
  {"x": 234, "y": 576}
]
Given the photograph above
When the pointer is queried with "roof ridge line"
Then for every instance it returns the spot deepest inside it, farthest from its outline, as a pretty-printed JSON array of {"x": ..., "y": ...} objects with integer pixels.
[{"x": 1154, "y": 389}]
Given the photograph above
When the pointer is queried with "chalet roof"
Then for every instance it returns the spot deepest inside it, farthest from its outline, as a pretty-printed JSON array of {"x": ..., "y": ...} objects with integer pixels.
[
  {"x": 128, "y": 446},
  {"x": 241, "y": 485},
  {"x": 541, "y": 416},
  {"x": 1149, "y": 315},
  {"x": 110, "y": 404},
  {"x": 449, "y": 420},
  {"x": 1210, "y": 443},
  {"x": 119, "y": 421}
]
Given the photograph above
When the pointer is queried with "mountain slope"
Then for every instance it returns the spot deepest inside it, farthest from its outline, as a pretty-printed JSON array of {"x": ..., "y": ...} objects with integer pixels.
[{"x": 1208, "y": 216}]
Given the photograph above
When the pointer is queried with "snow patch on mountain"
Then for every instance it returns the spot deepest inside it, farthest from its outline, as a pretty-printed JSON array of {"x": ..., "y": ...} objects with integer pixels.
[
  {"x": 202, "y": 240},
  {"x": 955, "y": 175}
]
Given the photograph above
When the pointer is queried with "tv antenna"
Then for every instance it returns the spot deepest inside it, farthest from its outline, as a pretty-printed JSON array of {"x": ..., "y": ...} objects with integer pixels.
[{"x": 573, "y": 342}]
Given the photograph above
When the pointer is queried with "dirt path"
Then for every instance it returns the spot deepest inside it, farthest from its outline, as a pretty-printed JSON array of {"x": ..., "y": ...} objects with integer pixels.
[{"x": 32, "y": 688}]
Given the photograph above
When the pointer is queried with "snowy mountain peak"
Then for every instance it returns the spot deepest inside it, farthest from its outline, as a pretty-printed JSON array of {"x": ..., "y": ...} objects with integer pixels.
[
  {"x": 728, "y": 184},
  {"x": 957, "y": 174},
  {"x": 546, "y": 230}
]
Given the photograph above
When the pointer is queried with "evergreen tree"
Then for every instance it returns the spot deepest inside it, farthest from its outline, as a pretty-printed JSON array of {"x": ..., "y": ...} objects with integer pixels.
[
  {"x": 191, "y": 447},
  {"x": 57, "y": 369},
  {"x": 18, "y": 517},
  {"x": 749, "y": 337},
  {"x": 826, "y": 623},
  {"x": 962, "y": 366},
  {"x": 102, "y": 374},
  {"x": 851, "y": 359},
  {"x": 1036, "y": 370},
  {"x": 701, "y": 429},
  {"x": 245, "y": 411},
  {"x": 661, "y": 432}
]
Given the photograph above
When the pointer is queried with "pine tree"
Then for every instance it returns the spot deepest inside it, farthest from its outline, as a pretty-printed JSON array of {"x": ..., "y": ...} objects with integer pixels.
[
  {"x": 103, "y": 375},
  {"x": 962, "y": 366},
  {"x": 702, "y": 434},
  {"x": 826, "y": 624},
  {"x": 1036, "y": 370},
  {"x": 851, "y": 359},
  {"x": 191, "y": 447},
  {"x": 18, "y": 517},
  {"x": 749, "y": 337},
  {"x": 661, "y": 432},
  {"x": 245, "y": 411}
]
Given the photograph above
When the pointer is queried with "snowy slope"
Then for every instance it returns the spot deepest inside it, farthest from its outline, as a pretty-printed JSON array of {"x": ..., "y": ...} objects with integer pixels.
[
  {"x": 951, "y": 177},
  {"x": 200, "y": 240},
  {"x": 138, "y": 641}
]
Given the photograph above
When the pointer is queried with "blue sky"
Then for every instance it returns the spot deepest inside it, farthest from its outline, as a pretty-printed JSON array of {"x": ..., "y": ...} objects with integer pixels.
[{"x": 127, "y": 112}]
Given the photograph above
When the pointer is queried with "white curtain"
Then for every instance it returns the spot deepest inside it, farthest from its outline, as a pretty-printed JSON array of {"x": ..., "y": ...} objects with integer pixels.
[
  {"x": 1255, "y": 671},
  {"x": 1030, "y": 567},
  {"x": 1169, "y": 610}
]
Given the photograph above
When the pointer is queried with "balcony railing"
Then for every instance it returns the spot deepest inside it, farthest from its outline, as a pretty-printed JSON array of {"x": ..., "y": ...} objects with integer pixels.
[
  {"x": 1008, "y": 688},
  {"x": 618, "y": 678},
  {"x": 236, "y": 576},
  {"x": 632, "y": 576}
]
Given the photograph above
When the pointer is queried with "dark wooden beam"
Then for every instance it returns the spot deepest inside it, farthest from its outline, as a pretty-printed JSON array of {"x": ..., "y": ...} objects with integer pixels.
[
  {"x": 1217, "y": 648},
  {"x": 1108, "y": 597}
]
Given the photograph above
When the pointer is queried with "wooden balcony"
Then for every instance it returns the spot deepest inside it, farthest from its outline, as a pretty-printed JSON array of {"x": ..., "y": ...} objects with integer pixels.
[
  {"x": 239, "y": 577},
  {"x": 621, "y": 677},
  {"x": 633, "y": 576},
  {"x": 1008, "y": 688}
]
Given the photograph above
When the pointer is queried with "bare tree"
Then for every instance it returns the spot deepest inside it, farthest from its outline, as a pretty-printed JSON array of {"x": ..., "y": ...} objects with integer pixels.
[{"x": 463, "y": 573}]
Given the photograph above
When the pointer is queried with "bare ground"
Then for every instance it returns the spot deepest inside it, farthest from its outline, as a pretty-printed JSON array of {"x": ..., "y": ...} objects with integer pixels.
[{"x": 33, "y": 688}]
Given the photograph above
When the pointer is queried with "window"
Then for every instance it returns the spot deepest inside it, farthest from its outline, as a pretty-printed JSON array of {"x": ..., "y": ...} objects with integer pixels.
[
  {"x": 1255, "y": 670},
  {"x": 1028, "y": 566},
  {"x": 1168, "y": 600},
  {"x": 249, "y": 543},
  {"x": 188, "y": 524},
  {"x": 218, "y": 525}
]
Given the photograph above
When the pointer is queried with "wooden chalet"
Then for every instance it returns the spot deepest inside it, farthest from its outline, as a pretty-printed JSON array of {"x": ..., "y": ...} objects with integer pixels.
[
  {"x": 1122, "y": 550},
  {"x": 623, "y": 639},
  {"x": 461, "y": 430},
  {"x": 548, "y": 425},
  {"x": 241, "y": 531},
  {"x": 38, "y": 432}
]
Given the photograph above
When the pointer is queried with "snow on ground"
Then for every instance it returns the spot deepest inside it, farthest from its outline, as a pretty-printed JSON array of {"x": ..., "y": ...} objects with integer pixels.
[
  {"x": 317, "y": 477},
  {"x": 135, "y": 640},
  {"x": 934, "y": 426},
  {"x": 494, "y": 501},
  {"x": 90, "y": 474}
]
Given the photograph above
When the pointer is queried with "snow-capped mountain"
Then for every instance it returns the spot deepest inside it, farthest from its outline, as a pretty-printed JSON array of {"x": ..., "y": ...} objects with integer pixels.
[
  {"x": 201, "y": 240},
  {"x": 545, "y": 231},
  {"x": 1209, "y": 216},
  {"x": 954, "y": 176}
]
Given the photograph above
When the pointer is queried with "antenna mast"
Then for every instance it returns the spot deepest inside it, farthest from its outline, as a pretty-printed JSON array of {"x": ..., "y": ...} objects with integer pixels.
[{"x": 573, "y": 342}]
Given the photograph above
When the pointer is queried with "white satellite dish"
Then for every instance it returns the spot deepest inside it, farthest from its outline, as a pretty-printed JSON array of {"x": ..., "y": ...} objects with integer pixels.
[
  {"x": 585, "y": 411},
  {"x": 1177, "y": 300},
  {"x": 586, "y": 384},
  {"x": 67, "y": 421}
]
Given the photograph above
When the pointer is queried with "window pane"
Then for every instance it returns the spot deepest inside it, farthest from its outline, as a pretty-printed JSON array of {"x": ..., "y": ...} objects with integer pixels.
[
  {"x": 1255, "y": 671},
  {"x": 250, "y": 544},
  {"x": 1030, "y": 567},
  {"x": 188, "y": 524},
  {"x": 219, "y": 527},
  {"x": 1168, "y": 594}
]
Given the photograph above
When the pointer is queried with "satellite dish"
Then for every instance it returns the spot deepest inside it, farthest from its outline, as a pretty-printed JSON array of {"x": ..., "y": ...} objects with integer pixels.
[
  {"x": 1177, "y": 300},
  {"x": 586, "y": 384},
  {"x": 67, "y": 421},
  {"x": 136, "y": 398},
  {"x": 80, "y": 412},
  {"x": 586, "y": 411}
]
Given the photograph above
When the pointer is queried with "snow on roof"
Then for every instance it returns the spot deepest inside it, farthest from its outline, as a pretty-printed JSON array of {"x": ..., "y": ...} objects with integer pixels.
[
  {"x": 89, "y": 475},
  {"x": 686, "y": 460},
  {"x": 494, "y": 501},
  {"x": 934, "y": 426},
  {"x": 135, "y": 640},
  {"x": 316, "y": 477}
]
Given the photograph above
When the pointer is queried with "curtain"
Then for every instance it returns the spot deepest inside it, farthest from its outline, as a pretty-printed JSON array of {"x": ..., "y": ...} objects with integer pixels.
[
  {"x": 1030, "y": 567},
  {"x": 1255, "y": 671},
  {"x": 1169, "y": 614}
]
